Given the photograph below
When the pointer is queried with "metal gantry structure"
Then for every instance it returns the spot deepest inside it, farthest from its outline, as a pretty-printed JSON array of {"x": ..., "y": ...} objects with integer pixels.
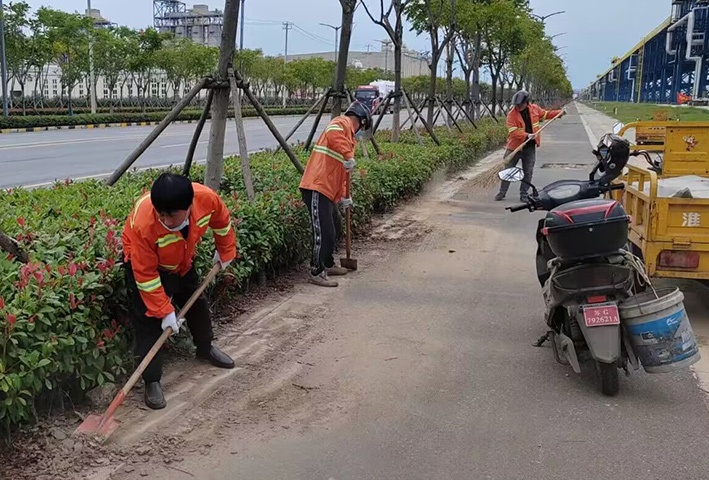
[
  {"x": 198, "y": 23},
  {"x": 670, "y": 62}
]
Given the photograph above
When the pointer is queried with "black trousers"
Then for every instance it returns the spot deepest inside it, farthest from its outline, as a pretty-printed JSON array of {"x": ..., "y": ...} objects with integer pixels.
[
  {"x": 324, "y": 218},
  {"x": 148, "y": 329},
  {"x": 528, "y": 157}
]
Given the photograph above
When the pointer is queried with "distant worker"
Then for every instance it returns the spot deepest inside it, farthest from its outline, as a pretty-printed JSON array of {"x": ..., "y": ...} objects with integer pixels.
[
  {"x": 159, "y": 242},
  {"x": 324, "y": 186},
  {"x": 523, "y": 122}
]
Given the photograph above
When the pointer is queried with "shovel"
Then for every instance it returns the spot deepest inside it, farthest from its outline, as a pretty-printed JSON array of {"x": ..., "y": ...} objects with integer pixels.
[
  {"x": 348, "y": 262},
  {"x": 104, "y": 425}
]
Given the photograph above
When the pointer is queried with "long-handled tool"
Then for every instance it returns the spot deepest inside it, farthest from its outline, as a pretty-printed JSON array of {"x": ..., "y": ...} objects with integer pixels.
[
  {"x": 105, "y": 424},
  {"x": 348, "y": 262},
  {"x": 489, "y": 178}
]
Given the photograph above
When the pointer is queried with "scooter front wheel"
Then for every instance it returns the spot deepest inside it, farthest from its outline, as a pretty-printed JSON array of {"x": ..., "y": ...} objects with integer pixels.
[{"x": 608, "y": 377}]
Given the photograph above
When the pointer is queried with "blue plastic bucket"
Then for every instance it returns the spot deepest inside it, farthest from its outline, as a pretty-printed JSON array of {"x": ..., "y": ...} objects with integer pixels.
[{"x": 659, "y": 330}]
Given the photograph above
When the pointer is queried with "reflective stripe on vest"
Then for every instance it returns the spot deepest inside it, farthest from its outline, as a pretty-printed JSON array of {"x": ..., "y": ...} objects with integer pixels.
[
  {"x": 204, "y": 220},
  {"x": 330, "y": 153},
  {"x": 150, "y": 285},
  {"x": 168, "y": 239},
  {"x": 222, "y": 231}
]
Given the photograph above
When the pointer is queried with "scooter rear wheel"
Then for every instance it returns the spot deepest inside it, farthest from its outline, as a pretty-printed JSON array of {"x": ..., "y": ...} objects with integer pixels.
[{"x": 608, "y": 377}]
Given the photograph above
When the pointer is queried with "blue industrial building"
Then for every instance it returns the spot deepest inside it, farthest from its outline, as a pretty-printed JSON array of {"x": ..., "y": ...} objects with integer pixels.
[{"x": 670, "y": 62}]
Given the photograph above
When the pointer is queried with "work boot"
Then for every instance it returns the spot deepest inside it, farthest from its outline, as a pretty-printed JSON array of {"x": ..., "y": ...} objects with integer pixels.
[
  {"x": 154, "y": 397},
  {"x": 499, "y": 197},
  {"x": 336, "y": 271},
  {"x": 216, "y": 357},
  {"x": 322, "y": 280}
]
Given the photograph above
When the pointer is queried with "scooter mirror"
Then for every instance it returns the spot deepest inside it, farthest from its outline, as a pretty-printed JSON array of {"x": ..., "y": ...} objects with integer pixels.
[
  {"x": 617, "y": 127},
  {"x": 514, "y": 174}
]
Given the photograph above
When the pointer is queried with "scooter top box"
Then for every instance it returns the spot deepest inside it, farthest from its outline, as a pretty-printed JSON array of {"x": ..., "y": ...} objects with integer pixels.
[{"x": 586, "y": 228}]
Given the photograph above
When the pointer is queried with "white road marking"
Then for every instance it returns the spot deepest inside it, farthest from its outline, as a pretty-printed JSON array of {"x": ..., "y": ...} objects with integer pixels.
[
  {"x": 591, "y": 137},
  {"x": 182, "y": 144},
  {"x": 74, "y": 142}
]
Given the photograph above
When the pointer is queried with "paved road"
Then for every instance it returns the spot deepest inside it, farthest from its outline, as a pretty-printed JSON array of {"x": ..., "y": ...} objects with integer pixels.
[
  {"x": 422, "y": 368},
  {"x": 32, "y": 159}
]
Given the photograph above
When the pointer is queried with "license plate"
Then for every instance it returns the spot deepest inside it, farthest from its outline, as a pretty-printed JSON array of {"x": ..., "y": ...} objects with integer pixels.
[{"x": 601, "y": 314}]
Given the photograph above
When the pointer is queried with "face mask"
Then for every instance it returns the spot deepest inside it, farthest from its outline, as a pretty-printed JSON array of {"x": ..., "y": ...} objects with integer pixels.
[{"x": 184, "y": 223}]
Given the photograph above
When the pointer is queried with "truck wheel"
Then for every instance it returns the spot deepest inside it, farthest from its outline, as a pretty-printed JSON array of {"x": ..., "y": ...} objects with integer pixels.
[{"x": 609, "y": 378}]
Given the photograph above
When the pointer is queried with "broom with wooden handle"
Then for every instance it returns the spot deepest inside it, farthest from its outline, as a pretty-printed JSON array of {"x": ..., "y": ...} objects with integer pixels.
[{"x": 490, "y": 178}]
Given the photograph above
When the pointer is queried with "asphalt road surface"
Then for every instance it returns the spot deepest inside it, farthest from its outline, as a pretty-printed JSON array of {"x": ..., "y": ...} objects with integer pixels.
[
  {"x": 39, "y": 158},
  {"x": 420, "y": 366}
]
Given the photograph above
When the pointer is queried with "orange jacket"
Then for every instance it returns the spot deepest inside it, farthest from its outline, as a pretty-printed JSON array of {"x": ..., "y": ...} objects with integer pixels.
[
  {"x": 152, "y": 248},
  {"x": 325, "y": 172},
  {"x": 515, "y": 124}
]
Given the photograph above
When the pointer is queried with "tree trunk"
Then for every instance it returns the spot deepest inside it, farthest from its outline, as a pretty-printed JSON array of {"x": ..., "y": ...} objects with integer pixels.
[
  {"x": 476, "y": 76},
  {"x": 432, "y": 90},
  {"x": 220, "y": 107},
  {"x": 494, "y": 93},
  {"x": 450, "y": 53},
  {"x": 396, "y": 126},
  {"x": 348, "y": 8}
]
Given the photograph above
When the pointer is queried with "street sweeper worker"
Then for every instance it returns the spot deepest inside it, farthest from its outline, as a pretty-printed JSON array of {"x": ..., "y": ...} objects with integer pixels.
[
  {"x": 523, "y": 122},
  {"x": 324, "y": 186},
  {"x": 159, "y": 242}
]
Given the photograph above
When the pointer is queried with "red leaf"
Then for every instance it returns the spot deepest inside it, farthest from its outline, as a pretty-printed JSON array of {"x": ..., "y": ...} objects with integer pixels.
[
  {"x": 62, "y": 270},
  {"x": 72, "y": 269},
  {"x": 48, "y": 268},
  {"x": 11, "y": 319},
  {"x": 100, "y": 344},
  {"x": 39, "y": 276},
  {"x": 32, "y": 319},
  {"x": 21, "y": 221},
  {"x": 72, "y": 301},
  {"x": 2, "y": 303}
]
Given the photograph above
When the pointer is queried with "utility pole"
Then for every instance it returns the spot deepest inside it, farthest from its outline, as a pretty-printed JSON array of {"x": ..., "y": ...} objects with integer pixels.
[
  {"x": 286, "y": 26},
  {"x": 3, "y": 63},
  {"x": 92, "y": 78}
]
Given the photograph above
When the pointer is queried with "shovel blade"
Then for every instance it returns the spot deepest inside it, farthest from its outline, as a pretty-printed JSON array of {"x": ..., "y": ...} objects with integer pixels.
[
  {"x": 92, "y": 426},
  {"x": 349, "y": 263}
]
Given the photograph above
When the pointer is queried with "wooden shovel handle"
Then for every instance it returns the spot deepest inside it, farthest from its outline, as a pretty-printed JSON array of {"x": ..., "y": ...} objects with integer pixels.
[
  {"x": 348, "y": 217},
  {"x": 168, "y": 331}
]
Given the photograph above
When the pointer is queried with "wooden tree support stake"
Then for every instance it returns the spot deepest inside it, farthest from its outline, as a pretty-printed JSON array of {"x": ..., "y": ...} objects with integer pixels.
[
  {"x": 385, "y": 107},
  {"x": 425, "y": 124},
  {"x": 241, "y": 134},
  {"x": 465, "y": 112},
  {"x": 197, "y": 133},
  {"x": 156, "y": 132},
  {"x": 450, "y": 115},
  {"x": 411, "y": 115},
  {"x": 305, "y": 117},
  {"x": 314, "y": 128},
  {"x": 12, "y": 247}
]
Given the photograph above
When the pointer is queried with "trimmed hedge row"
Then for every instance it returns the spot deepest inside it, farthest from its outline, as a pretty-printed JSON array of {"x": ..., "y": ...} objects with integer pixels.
[
  {"x": 63, "y": 325},
  {"x": 99, "y": 118}
]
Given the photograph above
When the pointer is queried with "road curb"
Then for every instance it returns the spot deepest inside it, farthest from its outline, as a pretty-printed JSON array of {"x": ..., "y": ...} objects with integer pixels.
[{"x": 6, "y": 131}]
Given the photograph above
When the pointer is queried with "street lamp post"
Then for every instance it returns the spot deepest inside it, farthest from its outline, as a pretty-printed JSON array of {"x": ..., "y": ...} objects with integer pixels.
[
  {"x": 336, "y": 29},
  {"x": 92, "y": 78},
  {"x": 3, "y": 63},
  {"x": 557, "y": 35},
  {"x": 543, "y": 18}
]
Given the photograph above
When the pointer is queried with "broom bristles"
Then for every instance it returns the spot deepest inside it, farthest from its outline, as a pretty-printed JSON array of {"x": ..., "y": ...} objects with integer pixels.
[{"x": 488, "y": 179}]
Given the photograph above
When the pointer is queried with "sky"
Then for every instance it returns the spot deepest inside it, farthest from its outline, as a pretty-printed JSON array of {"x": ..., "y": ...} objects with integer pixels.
[{"x": 593, "y": 32}]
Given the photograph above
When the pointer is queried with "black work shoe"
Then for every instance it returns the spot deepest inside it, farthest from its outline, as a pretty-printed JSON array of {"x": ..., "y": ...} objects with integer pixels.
[
  {"x": 499, "y": 197},
  {"x": 153, "y": 396},
  {"x": 216, "y": 357}
]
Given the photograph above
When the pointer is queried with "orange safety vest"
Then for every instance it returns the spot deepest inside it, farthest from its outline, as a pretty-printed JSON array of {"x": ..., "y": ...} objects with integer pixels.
[
  {"x": 515, "y": 124},
  {"x": 151, "y": 248},
  {"x": 325, "y": 172}
]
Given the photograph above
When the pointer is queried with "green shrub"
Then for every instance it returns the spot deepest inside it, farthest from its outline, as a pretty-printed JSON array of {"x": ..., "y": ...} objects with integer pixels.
[
  {"x": 101, "y": 118},
  {"x": 62, "y": 316}
]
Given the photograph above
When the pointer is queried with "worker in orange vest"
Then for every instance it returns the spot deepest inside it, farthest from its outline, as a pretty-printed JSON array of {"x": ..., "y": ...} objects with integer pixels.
[
  {"x": 324, "y": 186},
  {"x": 523, "y": 122},
  {"x": 159, "y": 242}
]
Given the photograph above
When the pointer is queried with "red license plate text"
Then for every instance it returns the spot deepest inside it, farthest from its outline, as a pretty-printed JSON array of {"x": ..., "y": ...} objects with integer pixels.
[{"x": 597, "y": 315}]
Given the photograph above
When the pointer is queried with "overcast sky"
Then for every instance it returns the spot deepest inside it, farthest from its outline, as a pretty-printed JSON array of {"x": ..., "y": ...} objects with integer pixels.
[{"x": 595, "y": 31}]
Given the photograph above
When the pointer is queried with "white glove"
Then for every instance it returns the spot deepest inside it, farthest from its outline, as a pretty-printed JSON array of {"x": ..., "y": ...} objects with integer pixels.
[
  {"x": 217, "y": 259},
  {"x": 531, "y": 136},
  {"x": 347, "y": 202},
  {"x": 563, "y": 112},
  {"x": 349, "y": 164},
  {"x": 171, "y": 321}
]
